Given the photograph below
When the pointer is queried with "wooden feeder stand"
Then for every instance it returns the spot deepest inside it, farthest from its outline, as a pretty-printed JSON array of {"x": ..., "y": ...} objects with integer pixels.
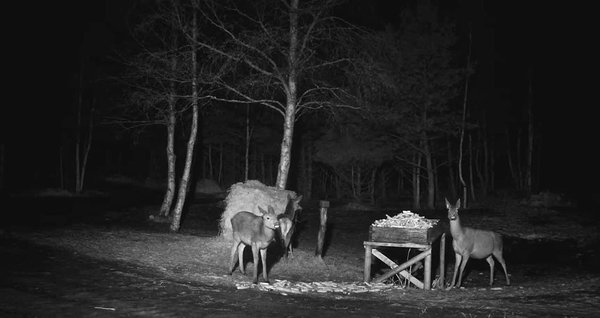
[{"x": 421, "y": 239}]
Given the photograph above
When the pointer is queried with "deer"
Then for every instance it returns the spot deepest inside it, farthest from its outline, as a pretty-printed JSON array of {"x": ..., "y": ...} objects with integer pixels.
[
  {"x": 473, "y": 243},
  {"x": 287, "y": 224},
  {"x": 256, "y": 231}
]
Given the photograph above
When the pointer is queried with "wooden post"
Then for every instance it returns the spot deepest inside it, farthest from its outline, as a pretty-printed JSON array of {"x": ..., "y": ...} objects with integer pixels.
[
  {"x": 442, "y": 280},
  {"x": 323, "y": 205},
  {"x": 368, "y": 249},
  {"x": 427, "y": 274}
]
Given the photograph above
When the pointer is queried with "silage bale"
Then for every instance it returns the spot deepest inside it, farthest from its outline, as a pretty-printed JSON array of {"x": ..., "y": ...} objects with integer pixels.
[{"x": 248, "y": 196}]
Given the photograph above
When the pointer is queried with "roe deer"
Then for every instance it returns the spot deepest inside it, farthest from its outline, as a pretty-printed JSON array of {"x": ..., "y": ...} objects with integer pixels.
[
  {"x": 287, "y": 223},
  {"x": 478, "y": 244},
  {"x": 255, "y": 231}
]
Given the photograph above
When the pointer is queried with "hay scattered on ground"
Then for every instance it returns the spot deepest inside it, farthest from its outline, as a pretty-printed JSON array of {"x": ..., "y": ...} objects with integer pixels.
[
  {"x": 248, "y": 196},
  {"x": 286, "y": 287}
]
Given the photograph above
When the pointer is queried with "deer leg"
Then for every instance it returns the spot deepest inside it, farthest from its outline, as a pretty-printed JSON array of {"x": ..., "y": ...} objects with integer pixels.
[
  {"x": 241, "y": 257},
  {"x": 263, "y": 256},
  {"x": 490, "y": 261},
  {"x": 255, "y": 258},
  {"x": 500, "y": 259},
  {"x": 234, "y": 249},
  {"x": 463, "y": 264},
  {"x": 457, "y": 258},
  {"x": 288, "y": 245}
]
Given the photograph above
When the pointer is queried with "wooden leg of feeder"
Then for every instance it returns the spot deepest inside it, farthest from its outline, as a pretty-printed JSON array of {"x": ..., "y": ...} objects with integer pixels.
[
  {"x": 368, "y": 263},
  {"x": 427, "y": 278},
  {"x": 442, "y": 280}
]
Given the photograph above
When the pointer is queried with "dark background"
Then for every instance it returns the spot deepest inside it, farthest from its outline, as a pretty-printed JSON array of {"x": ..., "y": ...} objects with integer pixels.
[{"x": 44, "y": 41}]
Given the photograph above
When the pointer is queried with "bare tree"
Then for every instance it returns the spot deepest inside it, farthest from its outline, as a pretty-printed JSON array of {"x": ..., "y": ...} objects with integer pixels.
[
  {"x": 462, "y": 130},
  {"x": 282, "y": 50},
  {"x": 153, "y": 77},
  {"x": 165, "y": 85},
  {"x": 82, "y": 147},
  {"x": 185, "y": 178}
]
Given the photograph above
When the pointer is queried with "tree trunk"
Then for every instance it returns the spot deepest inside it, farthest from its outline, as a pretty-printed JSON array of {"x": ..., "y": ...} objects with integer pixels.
[
  {"x": 61, "y": 168},
  {"x": 416, "y": 176},
  {"x": 211, "y": 174},
  {"x": 492, "y": 173},
  {"x": 183, "y": 185},
  {"x": 309, "y": 172},
  {"x": 336, "y": 182},
  {"x": 430, "y": 176},
  {"x": 247, "y": 145},
  {"x": 372, "y": 186},
  {"x": 528, "y": 171},
  {"x": 220, "y": 175},
  {"x": 80, "y": 164},
  {"x": 291, "y": 96},
  {"x": 486, "y": 175},
  {"x": 87, "y": 150},
  {"x": 472, "y": 182},
  {"x": 436, "y": 180},
  {"x": 352, "y": 183},
  {"x": 263, "y": 175},
  {"x": 451, "y": 176},
  {"x": 171, "y": 160},
  {"x": 462, "y": 130},
  {"x": 518, "y": 160},
  {"x": 78, "y": 133},
  {"x": 478, "y": 168},
  {"x": 359, "y": 182}
]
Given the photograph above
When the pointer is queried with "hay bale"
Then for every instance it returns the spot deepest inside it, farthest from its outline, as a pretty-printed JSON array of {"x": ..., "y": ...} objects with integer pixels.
[{"x": 248, "y": 196}]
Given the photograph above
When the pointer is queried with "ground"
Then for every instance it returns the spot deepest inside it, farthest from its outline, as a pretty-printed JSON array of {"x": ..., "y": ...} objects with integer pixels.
[{"x": 100, "y": 256}]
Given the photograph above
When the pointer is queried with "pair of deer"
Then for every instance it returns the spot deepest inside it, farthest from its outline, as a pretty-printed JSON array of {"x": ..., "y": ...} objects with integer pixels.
[{"x": 258, "y": 231}]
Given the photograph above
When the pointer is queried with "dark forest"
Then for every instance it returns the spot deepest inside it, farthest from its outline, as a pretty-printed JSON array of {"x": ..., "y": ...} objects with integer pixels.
[
  {"x": 389, "y": 97},
  {"x": 373, "y": 148}
]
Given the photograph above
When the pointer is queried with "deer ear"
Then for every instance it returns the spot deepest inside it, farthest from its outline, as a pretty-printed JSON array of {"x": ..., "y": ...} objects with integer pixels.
[
  {"x": 299, "y": 198},
  {"x": 261, "y": 210},
  {"x": 458, "y": 203},
  {"x": 447, "y": 203},
  {"x": 271, "y": 211}
]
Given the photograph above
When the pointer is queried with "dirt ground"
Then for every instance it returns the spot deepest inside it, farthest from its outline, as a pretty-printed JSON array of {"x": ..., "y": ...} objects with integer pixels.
[{"x": 552, "y": 258}]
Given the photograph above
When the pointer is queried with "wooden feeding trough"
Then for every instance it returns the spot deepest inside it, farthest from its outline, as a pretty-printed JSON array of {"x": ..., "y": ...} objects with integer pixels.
[{"x": 418, "y": 238}]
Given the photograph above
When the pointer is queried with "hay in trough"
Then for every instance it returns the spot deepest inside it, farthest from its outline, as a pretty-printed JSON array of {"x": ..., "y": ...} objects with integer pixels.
[{"x": 248, "y": 196}]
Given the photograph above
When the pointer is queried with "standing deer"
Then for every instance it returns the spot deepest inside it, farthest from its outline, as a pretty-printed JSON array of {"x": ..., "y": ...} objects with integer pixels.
[
  {"x": 255, "y": 231},
  {"x": 478, "y": 244},
  {"x": 287, "y": 222}
]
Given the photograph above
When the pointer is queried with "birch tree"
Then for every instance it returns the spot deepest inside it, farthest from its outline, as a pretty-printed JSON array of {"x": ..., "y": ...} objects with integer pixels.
[
  {"x": 185, "y": 178},
  {"x": 153, "y": 78},
  {"x": 165, "y": 85},
  {"x": 280, "y": 55}
]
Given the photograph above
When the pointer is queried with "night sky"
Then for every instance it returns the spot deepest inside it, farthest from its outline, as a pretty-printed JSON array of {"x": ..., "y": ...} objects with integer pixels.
[{"x": 45, "y": 39}]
